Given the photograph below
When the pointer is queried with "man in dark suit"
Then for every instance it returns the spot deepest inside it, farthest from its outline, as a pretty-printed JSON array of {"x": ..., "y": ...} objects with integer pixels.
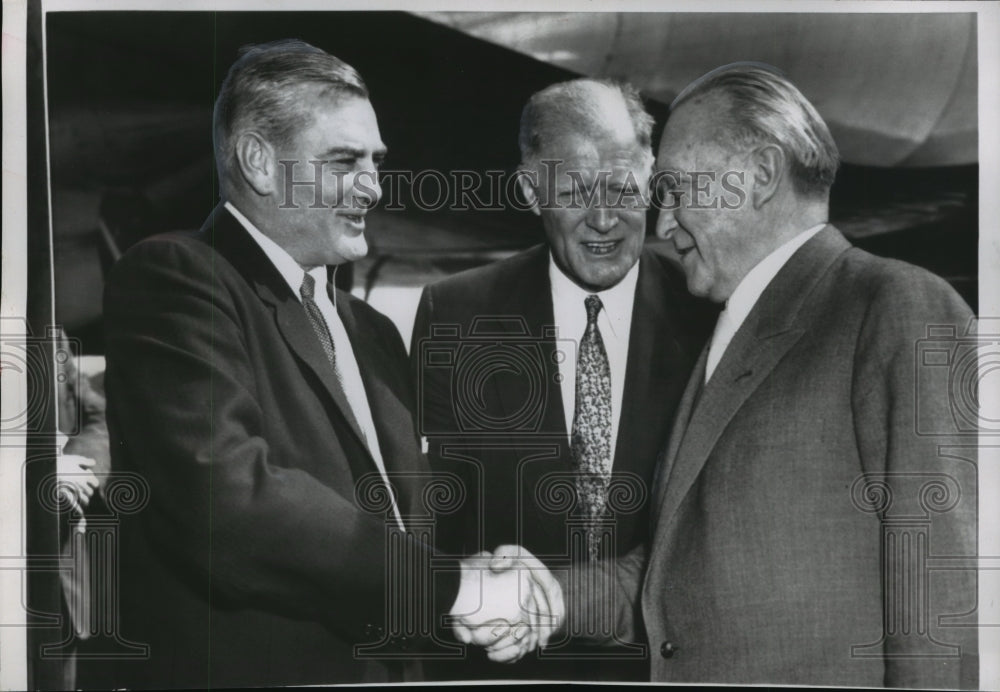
[
  {"x": 269, "y": 414},
  {"x": 814, "y": 520},
  {"x": 548, "y": 380}
]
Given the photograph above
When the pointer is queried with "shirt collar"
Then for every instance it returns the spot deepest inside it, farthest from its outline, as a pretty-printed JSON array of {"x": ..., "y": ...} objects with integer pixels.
[
  {"x": 757, "y": 279},
  {"x": 617, "y": 300},
  {"x": 289, "y": 269}
]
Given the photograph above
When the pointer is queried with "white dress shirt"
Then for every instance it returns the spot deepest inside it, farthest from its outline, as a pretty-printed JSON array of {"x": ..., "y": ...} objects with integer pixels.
[
  {"x": 747, "y": 294},
  {"x": 347, "y": 363},
  {"x": 615, "y": 324}
]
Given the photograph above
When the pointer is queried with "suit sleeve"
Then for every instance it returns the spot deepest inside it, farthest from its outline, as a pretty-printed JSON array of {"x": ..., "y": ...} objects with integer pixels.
[
  {"x": 183, "y": 401},
  {"x": 610, "y": 588},
  {"x": 913, "y": 452}
]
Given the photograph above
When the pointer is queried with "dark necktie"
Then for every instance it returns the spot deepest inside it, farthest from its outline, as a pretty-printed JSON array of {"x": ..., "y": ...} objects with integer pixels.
[{"x": 591, "y": 437}]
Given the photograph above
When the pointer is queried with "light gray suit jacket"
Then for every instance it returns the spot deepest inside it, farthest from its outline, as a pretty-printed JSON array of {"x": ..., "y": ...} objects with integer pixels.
[{"x": 814, "y": 516}]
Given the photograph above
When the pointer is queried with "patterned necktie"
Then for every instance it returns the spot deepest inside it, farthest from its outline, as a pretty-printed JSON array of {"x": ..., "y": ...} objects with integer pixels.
[
  {"x": 319, "y": 325},
  {"x": 591, "y": 438}
]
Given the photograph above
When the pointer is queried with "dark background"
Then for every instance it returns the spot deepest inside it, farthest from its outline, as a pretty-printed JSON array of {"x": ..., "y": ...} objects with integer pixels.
[{"x": 130, "y": 98}]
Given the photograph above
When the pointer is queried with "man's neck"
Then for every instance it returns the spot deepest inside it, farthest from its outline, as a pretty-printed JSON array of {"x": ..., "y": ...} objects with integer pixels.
[
  {"x": 250, "y": 211},
  {"x": 774, "y": 231},
  {"x": 796, "y": 216}
]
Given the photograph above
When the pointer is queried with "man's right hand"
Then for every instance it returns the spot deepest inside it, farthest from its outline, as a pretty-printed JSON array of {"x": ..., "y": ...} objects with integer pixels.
[{"x": 508, "y": 603}]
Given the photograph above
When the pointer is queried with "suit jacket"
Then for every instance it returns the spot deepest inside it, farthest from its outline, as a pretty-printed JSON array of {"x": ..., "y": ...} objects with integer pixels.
[
  {"x": 484, "y": 358},
  {"x": 257, "y": 560},
  {"x": 816, "y": 513}
]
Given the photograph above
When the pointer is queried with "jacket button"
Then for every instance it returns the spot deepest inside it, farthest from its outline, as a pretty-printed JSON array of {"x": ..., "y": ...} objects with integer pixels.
[{"x": 667, "y": 649}]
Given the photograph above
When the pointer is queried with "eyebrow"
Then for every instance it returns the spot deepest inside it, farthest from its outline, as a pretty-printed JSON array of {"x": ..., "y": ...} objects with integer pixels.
[{"x": 353, "y": 152}]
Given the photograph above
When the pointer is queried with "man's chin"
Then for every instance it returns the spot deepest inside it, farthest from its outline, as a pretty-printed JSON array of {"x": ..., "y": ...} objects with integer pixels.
[
  {"x": 602, "y": 282},
  {"x": 699, "y": 289},
  {"x": 354, "y": 252}
]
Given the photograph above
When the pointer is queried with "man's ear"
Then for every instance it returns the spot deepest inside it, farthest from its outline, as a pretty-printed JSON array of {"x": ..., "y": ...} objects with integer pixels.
[
  {"x": 529, "y": 189},
  {"x": 256, "y": 164},
  {"x": 767, "y": 166}
]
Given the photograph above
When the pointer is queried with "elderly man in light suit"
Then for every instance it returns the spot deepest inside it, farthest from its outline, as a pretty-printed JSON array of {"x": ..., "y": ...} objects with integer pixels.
[{"x": 800, "y": 506}]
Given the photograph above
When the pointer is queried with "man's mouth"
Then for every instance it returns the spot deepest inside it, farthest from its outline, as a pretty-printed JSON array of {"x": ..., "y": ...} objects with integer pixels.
[
  {"x": 358, "y": 219},
  {"x": 603, "y": 247}
]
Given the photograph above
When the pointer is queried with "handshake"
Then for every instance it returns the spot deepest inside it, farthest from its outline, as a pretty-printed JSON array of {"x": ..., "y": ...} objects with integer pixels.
[{"x": 508, "y": 603}]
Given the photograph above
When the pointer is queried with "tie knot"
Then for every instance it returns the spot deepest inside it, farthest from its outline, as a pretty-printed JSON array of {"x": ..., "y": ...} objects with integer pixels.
[
  {"x": 308, "y": 287},
  {"x": 594, "y": 305}
]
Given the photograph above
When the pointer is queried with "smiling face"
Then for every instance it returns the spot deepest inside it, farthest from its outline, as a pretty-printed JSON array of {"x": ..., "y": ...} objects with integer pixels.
[
  {"x": 593, "y": 207},
  {"x": 325, "y": 223},
  {"x": 707, "y": 213}
]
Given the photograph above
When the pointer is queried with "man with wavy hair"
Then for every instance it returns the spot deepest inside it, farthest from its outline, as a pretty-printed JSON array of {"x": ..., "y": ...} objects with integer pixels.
[{"x": 272, "y": 417}]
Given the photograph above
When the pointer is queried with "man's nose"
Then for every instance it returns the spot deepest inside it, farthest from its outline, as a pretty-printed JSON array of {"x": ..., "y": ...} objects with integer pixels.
[
  {"x": 666, "y": 223},
  {"x": 367, "y": 189},
  {"x": 602, "y": 218}
]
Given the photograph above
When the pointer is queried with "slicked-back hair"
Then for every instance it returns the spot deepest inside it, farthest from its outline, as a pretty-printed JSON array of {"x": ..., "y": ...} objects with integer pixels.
[
  {"x": 580, "y": 106},
  {"x": 763, "y": 106},
  {"x": 263, "y": 92}
]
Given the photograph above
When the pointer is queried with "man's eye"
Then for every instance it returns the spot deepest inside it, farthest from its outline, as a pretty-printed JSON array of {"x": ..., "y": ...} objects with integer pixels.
[{"x": 342, "y": 164}]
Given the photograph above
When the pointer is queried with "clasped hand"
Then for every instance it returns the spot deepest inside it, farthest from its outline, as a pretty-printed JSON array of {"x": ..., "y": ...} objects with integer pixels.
[{"x": 508, "y": 603}]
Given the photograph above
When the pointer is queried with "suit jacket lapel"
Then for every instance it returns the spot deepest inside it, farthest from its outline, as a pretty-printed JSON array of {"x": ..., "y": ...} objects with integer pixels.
[
  {"x": 532, "y": 299},
  {"x": 394, "y": 425},
  {"x": 689, "y": 400},
  {"x": 234, "y": 243},
  {"x": 774, "y": 325},
  {"x": 655, "y": 358}
]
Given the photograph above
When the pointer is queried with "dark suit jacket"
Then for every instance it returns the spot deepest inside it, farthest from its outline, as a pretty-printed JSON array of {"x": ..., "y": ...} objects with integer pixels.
[
  {"x": 494, "y": 415},
  {"x": 254, "y": 562},
  {"x": 815, "y": 486}
]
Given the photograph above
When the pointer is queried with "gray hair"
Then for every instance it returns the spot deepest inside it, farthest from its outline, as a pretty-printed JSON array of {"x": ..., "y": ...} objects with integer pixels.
[
  {"x": 263, "y": 92},
  {"x": 764, "y": 106},
  {"x": 584, "y": 107}
]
